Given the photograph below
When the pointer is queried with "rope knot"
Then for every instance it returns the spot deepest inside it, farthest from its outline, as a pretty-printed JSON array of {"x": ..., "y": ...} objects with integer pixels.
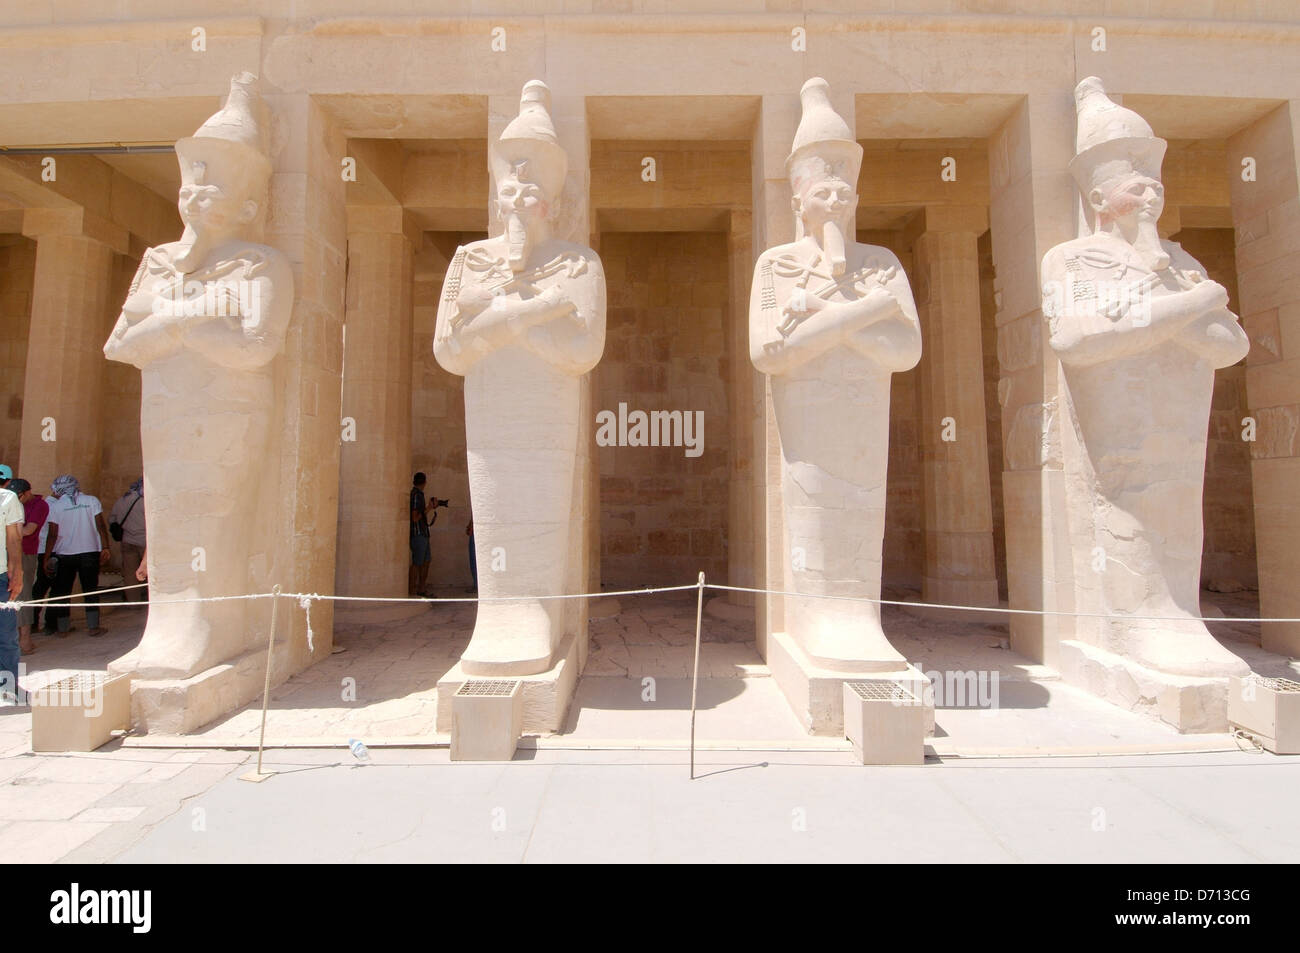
[{"x": 305, "y": 600}]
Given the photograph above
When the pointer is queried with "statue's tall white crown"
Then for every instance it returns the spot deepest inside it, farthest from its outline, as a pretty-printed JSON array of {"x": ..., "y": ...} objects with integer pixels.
[
  {"x": 236, "y": 132},
  {"x": 529, "y": 144},
  {"x": 823, "y": 134},
  {"x": 1108, "y": 132}
]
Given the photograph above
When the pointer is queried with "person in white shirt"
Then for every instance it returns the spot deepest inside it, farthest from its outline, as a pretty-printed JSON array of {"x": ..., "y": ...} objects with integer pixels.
[
  {"x": 11, "y": 583},
  {"x": 78, "y": 537}
]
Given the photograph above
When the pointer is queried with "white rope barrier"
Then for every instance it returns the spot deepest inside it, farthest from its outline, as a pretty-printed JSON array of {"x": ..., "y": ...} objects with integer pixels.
[
  {"x": 306, "y": 598},
  {"x": 995, "y": 609},
  {"x": 50, "y": 600},
  {"x": 18, "y": 604}
]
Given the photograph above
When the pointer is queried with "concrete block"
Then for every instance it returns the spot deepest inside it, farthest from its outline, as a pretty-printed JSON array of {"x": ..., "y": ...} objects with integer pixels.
[
  {"x": 1268, "y": 709},
  {"x": 79, "y": 713},
  {"x": 487, "y": 719},
  {"x": 885, "y": 721}
]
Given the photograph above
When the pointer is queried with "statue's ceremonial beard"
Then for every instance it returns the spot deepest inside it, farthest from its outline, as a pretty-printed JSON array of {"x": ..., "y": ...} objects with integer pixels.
[
  {"x": 1147, "y": 245},
  {"x": 833, "y": 247},
  {"x": 194, "y": 248},
  {"x": 517, "y": 238}
]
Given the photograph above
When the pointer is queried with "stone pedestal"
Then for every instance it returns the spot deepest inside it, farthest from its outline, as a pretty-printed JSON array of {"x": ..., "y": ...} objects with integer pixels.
[
  {"x": 546, "y": 695},
  {"x": 177, "y": 706},
  {"x": 1189, "y": 704},
  {"x": 817, "y": 694}
]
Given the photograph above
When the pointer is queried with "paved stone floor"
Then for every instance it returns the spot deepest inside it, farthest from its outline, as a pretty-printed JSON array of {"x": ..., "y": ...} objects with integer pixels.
[
  {"x": 793, "y": 807},
  {"x": 567, "y": 799}
]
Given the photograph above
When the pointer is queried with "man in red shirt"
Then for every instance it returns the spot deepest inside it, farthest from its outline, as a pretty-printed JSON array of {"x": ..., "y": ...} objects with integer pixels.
[{"x": 35, "y": 512}]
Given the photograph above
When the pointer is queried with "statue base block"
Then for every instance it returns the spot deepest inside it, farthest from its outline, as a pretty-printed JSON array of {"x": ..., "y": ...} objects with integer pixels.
[
  {"x": 546, "y": 695},
  {"x": 177, "y": 706},
  {"x": 1189, "y": 704},
  {"x": 817, "y": 694}
]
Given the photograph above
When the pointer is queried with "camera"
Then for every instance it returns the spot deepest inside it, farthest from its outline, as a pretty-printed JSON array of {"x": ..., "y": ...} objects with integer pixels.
[{"x": 438, "y": 503}]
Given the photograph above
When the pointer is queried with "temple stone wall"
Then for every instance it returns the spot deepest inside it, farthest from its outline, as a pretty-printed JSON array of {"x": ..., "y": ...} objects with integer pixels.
[
  {"x": 17, "y": 266},
  {"x": 664, "y": 514},
  {"x": 1228, "y": 554}
]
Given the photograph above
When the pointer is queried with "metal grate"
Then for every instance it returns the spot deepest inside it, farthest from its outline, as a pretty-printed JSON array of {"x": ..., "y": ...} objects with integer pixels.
[
  {"x": 81, "y": 683},
  {"x": 488, "y": 687},
  {"x": 883, "y": 690},
  {"x": 1277, "y": 684}
]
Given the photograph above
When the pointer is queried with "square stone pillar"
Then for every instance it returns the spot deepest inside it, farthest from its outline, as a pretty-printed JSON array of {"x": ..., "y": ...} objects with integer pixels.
[
  {"x": 1034, "y": 206},
  {"x": 741, "y": 396},
  {"x": 375, "y": 457},
  {"x": 73, "y": 310},
  {"x": 574, "y": 223},
  {"x": 309, "y": 224},
  {"x": 1266, "y": 219},
  {"x": 958, "y": 514},
  {"x": 773, "y": 224}
]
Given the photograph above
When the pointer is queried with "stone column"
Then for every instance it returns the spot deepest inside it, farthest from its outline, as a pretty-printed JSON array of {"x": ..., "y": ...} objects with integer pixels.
[
  {"x": 1266, "y": 218},
  {"x": 958, "y": 516},
  {"x": 773, "y": 224},
  {"x": 310, "y": 226},
  {"x": 741, "y": 398},
  {"x": 72, "y": 312},
  {"x": 1033, "y": 207},
  {"x": 375, "y": 467}
]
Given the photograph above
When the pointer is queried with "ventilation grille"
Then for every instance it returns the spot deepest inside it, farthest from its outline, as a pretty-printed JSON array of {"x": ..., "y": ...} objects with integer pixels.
[
  {"x": 1276, "y": 684},
  {"x": 81, "y": 683},
  {"x": 488, "y": 687},
  {"x": 883, "y": 690}
]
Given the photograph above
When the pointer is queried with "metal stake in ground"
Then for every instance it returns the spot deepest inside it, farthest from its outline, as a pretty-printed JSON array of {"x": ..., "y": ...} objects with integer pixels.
[
  {"x": 695, "y": 675},
  {"x": 266, "y": 689}
]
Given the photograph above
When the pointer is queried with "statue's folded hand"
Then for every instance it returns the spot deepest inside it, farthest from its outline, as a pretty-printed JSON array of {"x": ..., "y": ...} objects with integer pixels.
[
  {"x": 1208, "y": 296},
  {"x": 138, "y": 307}
]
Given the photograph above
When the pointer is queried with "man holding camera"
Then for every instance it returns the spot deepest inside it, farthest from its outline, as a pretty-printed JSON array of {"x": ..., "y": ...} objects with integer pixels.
[{"x": 418, "y": 577}]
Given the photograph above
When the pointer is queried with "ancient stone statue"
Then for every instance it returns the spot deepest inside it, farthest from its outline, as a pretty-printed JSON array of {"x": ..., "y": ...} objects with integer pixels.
[
  {"x": 830, "y": 320},
  {"x": 522, "y": 318},
  {"x": 1139, "y": 330},
  {"x": 204, "y": 318}
]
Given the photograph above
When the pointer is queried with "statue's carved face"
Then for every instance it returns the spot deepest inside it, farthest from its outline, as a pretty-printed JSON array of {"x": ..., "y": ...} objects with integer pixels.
[
  {"x": 207, "y": 206},
  {"x": 520, "y": 198},
  {"x": 1128, "y": 199},
  {"x": 824, "y": 198}
]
